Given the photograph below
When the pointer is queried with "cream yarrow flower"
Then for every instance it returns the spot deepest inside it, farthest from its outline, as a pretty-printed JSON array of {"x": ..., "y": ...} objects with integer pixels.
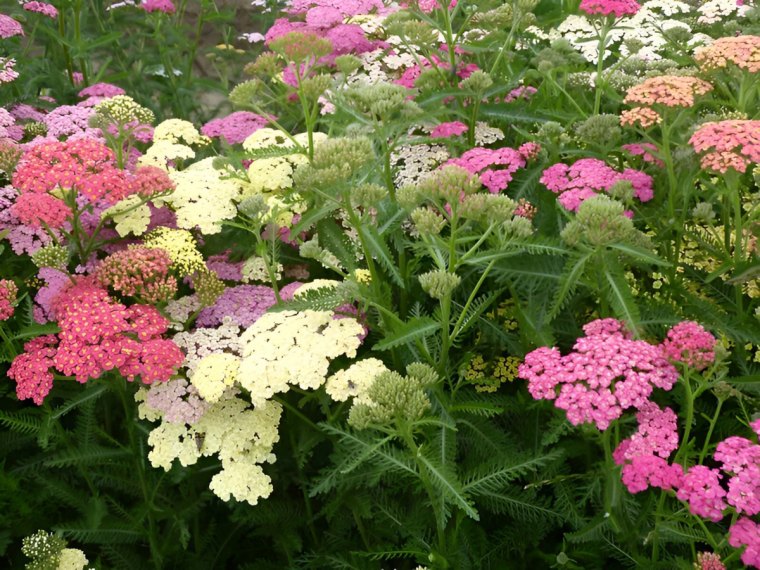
[
  {"x": 354, "y": 381},
  {"x": 203, "y": 198},
  {"x": 181, "y": 247},
  {"x": 130, "y": 215},
  {"x": 273, "y": 174},
  {"x": 179, "y": 131},
  {"x": 160, "y": 153},
  {"x": 296, "y": 348},
  {"x": 242, "y": 437},
  {"x": 255, "y": 269},
  {"x": 214, "y": 374},
  {"x": 72, "y": 559}
]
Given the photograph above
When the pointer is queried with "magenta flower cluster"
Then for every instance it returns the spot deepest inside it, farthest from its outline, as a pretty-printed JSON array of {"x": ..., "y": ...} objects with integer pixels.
[
  {"x": 495, "y": 167},
  {"x": 605, "y": 373},
  {"x": 589, "y": 176}
]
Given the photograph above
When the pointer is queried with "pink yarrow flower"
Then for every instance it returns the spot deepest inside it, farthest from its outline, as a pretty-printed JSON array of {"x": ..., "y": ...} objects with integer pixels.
[
  {"x": 41, "y": 8},
  {"x": 495, "y": 167},
  {"x": 7, "y": 71},
  {"x": 8, "y": 293},
  {"x": 604, "y": 374},
  {"x": 234, "y": 128},
  {"x": 746, "y": 532},
  {"x": 590, "y": 176},
  {"x": 617, "y": 8},
  {"x": 689, "y": 343},
  {"x": 165, "y": 6},
  {"x": 9, "y": 27},
  {"x": 733, "y": 144},
  {"x": 447, "y": 130},
  {"x": 102, "y": 90},
  {"x": 701, "y": 488}
]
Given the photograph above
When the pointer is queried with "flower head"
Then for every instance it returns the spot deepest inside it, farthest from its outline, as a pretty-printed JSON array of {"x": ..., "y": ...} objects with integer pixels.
[
  {"x": 732, "y": 144},
  {"x": 617, "y": 8},
  {"x": 688, "y": 342},
  {"x": 668, "y": 90},
  {"x": 605, "y": 373},
  {"x": 9, "y": 27},
  {"x": 8, "y": 292}
]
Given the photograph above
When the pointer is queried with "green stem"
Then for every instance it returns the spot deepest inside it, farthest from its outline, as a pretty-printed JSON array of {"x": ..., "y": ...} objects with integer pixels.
[
  {"x": 713, "y": 421},
  {"x": 140, "y": 468},
  {"x": 682, "y": 454},
  {"x": 599, "y": 81}
]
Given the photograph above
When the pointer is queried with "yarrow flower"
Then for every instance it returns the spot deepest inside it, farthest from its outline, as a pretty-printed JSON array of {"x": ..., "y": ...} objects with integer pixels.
[
  {"x": 644, "y": 454},
  {"x": 97, "y": 335},
  {"x": 701, "y": 488},
  {"x": 41, "y": 8},
  {"x": 139, "y": 271},
  {"x": 447, "y": 130},
  {"x": 102, "y": 90},
  {"x": 8, "y": 292},
  {"x": 733, "y": 144},
  {"x": 234, "y": 128},
  {"x": 7, "y": 73},
  {"x": 84, "y": 164},
  {"x": 9, "y": 27},
  {"x": 617, "y": 8},
  {"x": 165, "y": 6},
  {"x": 708, "y": 561},
  {"x": 668, "y": 90},
  {"x": 741, "y": 51},
  {"x": 605, "y": 373},
  {"x": 243, "y": 305},
  {"x": 40, "y": 210},
  {"x": 688, "y": 342},
  {"x": 589, "y": 176},
  {"x": 746, "y": 532},
  {"x": 177, "y": 400},
  {"x": 645, "y": 151},
  {"x": 495, "y": 167},
  {"x": 291, "y": 347}
]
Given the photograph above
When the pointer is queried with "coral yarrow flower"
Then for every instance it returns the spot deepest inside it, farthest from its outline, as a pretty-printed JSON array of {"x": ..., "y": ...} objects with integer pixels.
[
  {"x": 742, "y": 51},
  {"x": 731, "y": 144},
  {"x": 668, "y": 90}
]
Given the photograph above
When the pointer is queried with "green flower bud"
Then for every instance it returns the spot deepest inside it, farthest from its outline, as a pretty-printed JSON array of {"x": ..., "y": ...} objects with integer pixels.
[
  {"x": 245, "y": 94},
  {"x": 600, "y": 130},
  {"x": 517, "y": 228},
  {"x": 253, "y": 206},
  {"x": 367, "y": 195},
  {"x": 266, "y": 66},
  {"x": 392, "y": 397},
  {"x": 347, "y": 64},
  {"x": 208, "y": 287},
  {"x": 478, "y": 82},
  {"x": 52, "y": 255},
  {"x": 439, "y": 283},
  {"x": 427, "y": 221},
  {"x": 703, "y": 212}
]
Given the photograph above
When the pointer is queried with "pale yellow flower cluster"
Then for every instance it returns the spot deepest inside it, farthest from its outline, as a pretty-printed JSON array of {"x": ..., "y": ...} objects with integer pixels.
[
  {"x": 293, "y": 348},
  {"x": 274, "y": 174},
  {"x": 181, "y": 247},
  {"x": 171, "y": 142},
  {"x": 255, "y": 269},
  {"x": 130, "y": 216},
  {"x": 204, "y": 197},
  {"x": 279, "y": 350},
  {"x": 242, "y": 437},
  {"x": 72, "y": 559},
  {"x": 354, "y": 382}
]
